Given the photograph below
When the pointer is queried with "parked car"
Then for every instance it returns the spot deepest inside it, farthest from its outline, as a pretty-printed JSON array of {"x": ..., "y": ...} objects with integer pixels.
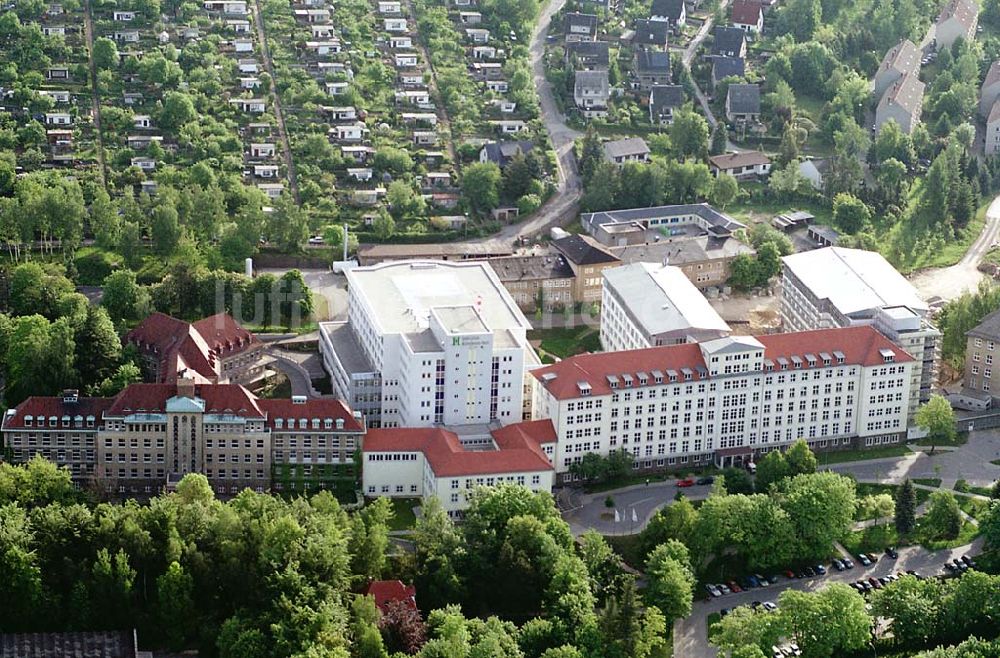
[
  {"x": 713, "y": 590},
  {"x": 863, "y": 559},
  {"x": 847, "y": 563},
  {"x": 873, "y": 581},
  {"x": 706, "y": 480},
  {"x": 724, "y": 589},
  {"x": 891, "y": 552},
  {"x": 969, "y": 561},
  {"x": 734, "y": 587},
  {"x": 723, "y": 612},
  {"x": 857, "y": 587},
  {"x": 838, "y": 565},
  {"x": 949, "y": 566},
  {"x": 751, "y": 581},
  {"x": 686, "y": 482},
  {"x": 961, "y": 566},
  {"x": 820, "y": 569},
  {"x": 810, "y": 572},
  {"x": 761, "y": 580},
  {"x": 316, "y": 240},
  {"x": 770, "y": 606},
  {"x": 872, "y": 557},
  {"x": 773, "y": 579}
]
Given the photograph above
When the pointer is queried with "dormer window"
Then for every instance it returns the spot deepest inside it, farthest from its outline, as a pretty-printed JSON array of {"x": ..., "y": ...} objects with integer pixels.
[
  {"x": 29, "y": 421},
  {"x": 315, "y": 423},
  {"x": 839, "y": 356},
  {"x": 627, "y": 380},
  {"x": 279, "y": 423},
  {"x": 327, "y": 423},
  {"x": 888, "y": 356}
]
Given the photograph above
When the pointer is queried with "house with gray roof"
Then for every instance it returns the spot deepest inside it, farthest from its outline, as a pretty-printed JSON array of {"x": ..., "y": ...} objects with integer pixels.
[
  {"x": 651, "y": 34},
  {"x": 587, "y": 55},
  {"x": 619, "y": 228},
  {"x": 663, "y": 100},
  {"x": 591, "y": 92},
  {"x": 580, "y": 27},
  {"x": 727, "y": 67},
  {"x": 622, "y": 151},
  {"x": 501, "y": 153},
  {"x": 672, "y": 12},
  {"x": 958, "y": 19},
  {"x": 729, "y": 42},
  {"x": 743, "y": 103},
  {"x": 652, "y": 67},
  {"x": 902, "y": 102},
  {"x": 989, "y": 92},
  {"x": 902, "y": 59}
]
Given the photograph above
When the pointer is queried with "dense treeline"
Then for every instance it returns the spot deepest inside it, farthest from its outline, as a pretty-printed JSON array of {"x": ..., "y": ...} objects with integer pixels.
[{"x": 259, "y": 576}]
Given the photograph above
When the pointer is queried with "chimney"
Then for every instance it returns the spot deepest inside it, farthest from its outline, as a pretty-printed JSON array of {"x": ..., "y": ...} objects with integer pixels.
[{"x": 185, "y": 387}]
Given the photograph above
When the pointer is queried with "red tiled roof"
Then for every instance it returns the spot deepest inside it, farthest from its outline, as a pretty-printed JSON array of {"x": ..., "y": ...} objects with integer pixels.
[
  {"x": 387, "y": 591},
  {"x": 518, "y": 450},
  {"x": 193, "y": 347},
  {"x": 313, "y": 408},
  {"x": 45, "y": 407},
  {"x": 746, "y": 12},
  {"x": 860, "y": 346},
  {"x": 219, "y": 398}
]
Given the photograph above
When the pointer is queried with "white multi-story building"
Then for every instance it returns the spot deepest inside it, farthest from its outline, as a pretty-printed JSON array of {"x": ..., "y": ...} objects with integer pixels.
[
  {"x": 428, "y": 343},
  {"x": 425, "y": 462},
  {"x": 646, "y": 305},
  {"x": 837, "y": 287},
  {"x": 727, "y": 400}
]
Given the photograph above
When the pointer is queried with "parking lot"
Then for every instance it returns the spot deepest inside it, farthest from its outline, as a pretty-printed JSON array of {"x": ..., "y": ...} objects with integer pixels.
[{"x": 691, "y": 633}]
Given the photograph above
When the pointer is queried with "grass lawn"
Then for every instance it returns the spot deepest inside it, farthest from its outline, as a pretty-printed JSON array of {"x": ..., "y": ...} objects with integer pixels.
[
  {"x": 871, "y": 489},
  {"x": 403, "y": 517},
  {"x": 565, "y": 342},
  {"x": 974, "y": 507},
  {"x": 841, "y": 456},
  {"x": 872, "y": 540},
  {"x": 980, "y": 491},
  {"x": 968, "y": 532},
  {"x": 949, "y": 254},
  {"x": 927, "y": 482},
  {"x": 759, "y": 210}
]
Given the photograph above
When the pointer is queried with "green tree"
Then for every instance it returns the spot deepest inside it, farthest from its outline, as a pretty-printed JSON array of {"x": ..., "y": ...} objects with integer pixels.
[
  {"x": 800, "y": 458},
  {"x": 725, "y": 190},
  {"x": 772, "y": 468},
  {"x": 913, "y": 607},
  {"x": 689, "y": 134},
  {"x": 384, "y": 225},
  {"x": 937, "y": 418},
  {"x": 906, "y": 508},
  {"x": 674, "y": 521},
  {"x": 850, "y": 213},
  {"x": 438, "y": 553},
  {"x": 481, "y": 187},
  {"x": 404, "y": 202},
  {"x": 821, "y": 507},
  {"x": 720, "y": 139},
  {"x": 670, "y": 582},
  {"x": 944, "y": 518},
  {"x": 370, "y": 539},
  {"x": 178, "y": 109},
  {"x": 745, "y": 627},
  {"x": 36, "y": 289},
  {"x": 125, "y": 374},
  {"x": 98, "y": 349},
  {"x": 830, "y": 622},
  {"x": 105, "y": 53},
  {"x": 165, "y": 230},
  {"x": 175, "y": 604}
]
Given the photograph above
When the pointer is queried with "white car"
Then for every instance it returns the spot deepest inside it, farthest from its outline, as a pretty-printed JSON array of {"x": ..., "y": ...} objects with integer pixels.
[
  {"x": 316, "y": 239},
  {"x": 713, "y": 591}
]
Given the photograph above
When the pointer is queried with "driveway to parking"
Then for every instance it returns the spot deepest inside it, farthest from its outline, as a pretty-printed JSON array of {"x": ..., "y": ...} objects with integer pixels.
[
  {"x": 691, "y": 633},
  {"x": 586, "y": 511}
]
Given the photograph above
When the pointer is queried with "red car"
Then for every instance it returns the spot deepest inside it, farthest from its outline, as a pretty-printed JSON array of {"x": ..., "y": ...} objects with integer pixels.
[
  {"x": 687, "y": 482},
  {"x": 734, "y": 587}
]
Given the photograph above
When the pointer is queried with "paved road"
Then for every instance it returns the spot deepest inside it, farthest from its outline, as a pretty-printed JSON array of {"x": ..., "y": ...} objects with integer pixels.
[
  {"x": 645, "y": 500},
  {"x": 950, "y": 282},
  {"x": 703, "y": 31},
  {"x": 563, "y": 205},
  {"x": 297, "y": 375},
  {"x": 691, "y": 633}
]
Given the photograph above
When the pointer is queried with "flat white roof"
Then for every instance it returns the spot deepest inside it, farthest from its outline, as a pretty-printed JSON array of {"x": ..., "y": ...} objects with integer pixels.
[
  {"x": 854, "y": 280},
  {"x": 662, "y": 299},
  {"x": 402, "y": 294}
]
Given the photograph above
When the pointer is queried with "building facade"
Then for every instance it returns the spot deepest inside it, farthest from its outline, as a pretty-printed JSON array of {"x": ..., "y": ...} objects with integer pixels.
[
  {"x": 428, "y": 343},
  {"x": 729, "y": 400},
  {"x": 648, "y": 305},
  {"x": 982, "y": 351},
  {"x": 837, "y": 287},
  {"x": 150, "y": 435},
  {"x": 424, "y": 462}
]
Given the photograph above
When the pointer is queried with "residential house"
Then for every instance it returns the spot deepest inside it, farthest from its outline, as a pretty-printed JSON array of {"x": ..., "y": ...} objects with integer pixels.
[
  {"x": 57, "y": 73},
  {"x": 313, "y": 15},
  {"x": 262, "y": 150},
  {"x": 243, "y": 46},
  {"x": 400, "y": 42},
  {"x": 251, "y": 105},
  {"x": 812, "y": 170},
  {"x": 323, "y": 31},
  {"x": 132, "y": 98},
  {"x": 727, "y": 67},
  {"x": 392, "y": 7},
  {"x": 501, "y": 153},
  {"x": 391, "y": 591},
  {"x": 142, "y": 142},
  {"x": 272, "y": 190},
  {"x": 748, "y": 15},
  {"x": 990, "y": 90},
  {"x": 729, "y": 42},
  {"x": 423, "y": 118},
  {"x": 58, "y": 119},
  {"x": 266, "y": 170},
  {"x": 992, "y": 145},
  {"x": 663, "y": 101},
  {"x": 58, "y": 96},
  {"x": 143, "y": 163},
  {"x": 902, "y": 102},
  {"x": 231, "y": 7},
  {"x": 123, "y": 16},
  {"x": 509, "y": 126},
  {"x": 470, "y": 17},
  {"x": 239, "y": 26},
  {"x": 671, "y": 12},
  {"x": 622, "y": 151},
  {"x": 477, "y": 34},
  {"x": 54, "y": 30},
  {"x": 349, "y": 132},
  {"x": 338, "y": 113},
  {"x": 743, "y": 103},
  {"x": 652, "y": 67},
  {"x": 249, "y": 83},
  {"x": 142, "y": 121},
  {"x": 902, "y": 59},
  {"x": 588, "y": 259},
  {"x": 651, "y": 34},
  {"x": 743, "y": 165},
  {"x": 587, "y": 55},
  {"x": 958, "y": 18},
  {"x": 580, "y": 27},
  {"x": 534, "y": 281},
  {"x": 591, "y": 93},
  {"x": 394, "y": 24},
  {"x": 406, "y": 60}
]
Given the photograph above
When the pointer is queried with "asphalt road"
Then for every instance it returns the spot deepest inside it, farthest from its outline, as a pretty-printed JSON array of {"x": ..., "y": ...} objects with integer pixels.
[
  {"x": 691, "y": 633},
  {"x": 562, "y": 206},
  {"x": 950, "y": 282}
]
